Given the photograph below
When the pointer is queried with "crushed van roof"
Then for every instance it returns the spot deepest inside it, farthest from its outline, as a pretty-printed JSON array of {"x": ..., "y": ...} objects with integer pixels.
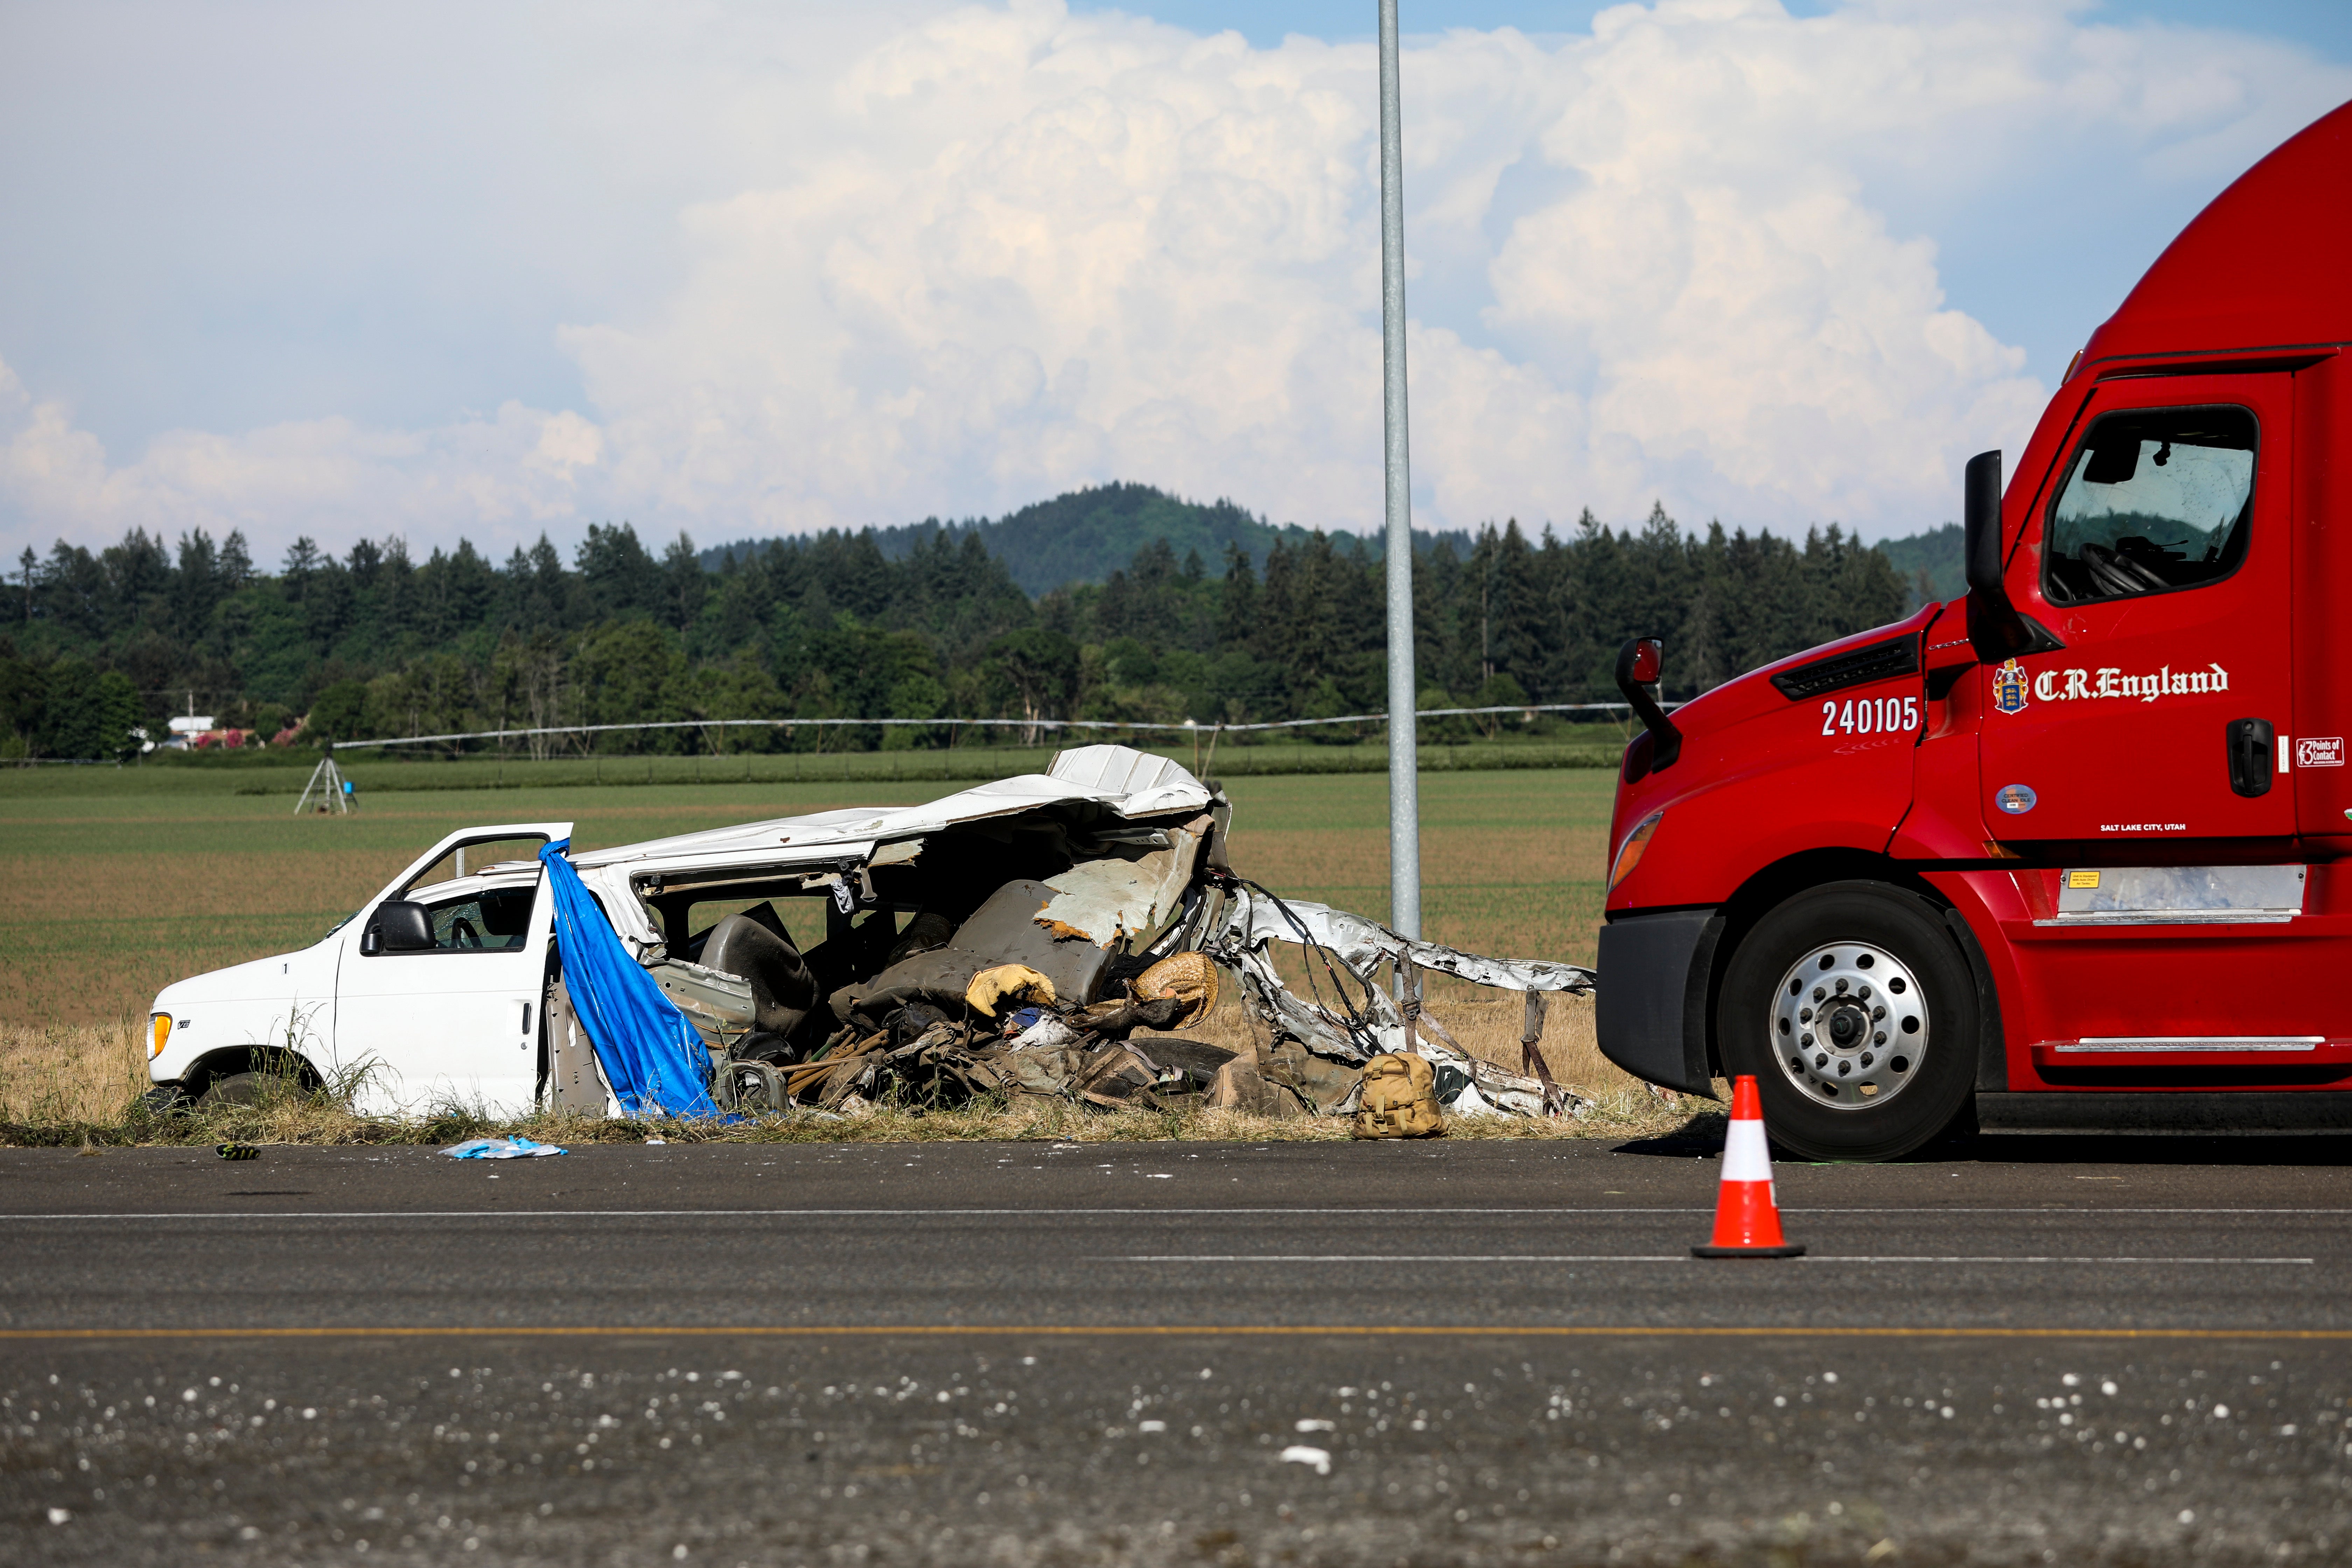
[{"x": 1123, "y": 781}]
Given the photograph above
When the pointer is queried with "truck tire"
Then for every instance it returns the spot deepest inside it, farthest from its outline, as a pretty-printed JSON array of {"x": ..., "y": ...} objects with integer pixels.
[{"x": 1857, "y": 1013}]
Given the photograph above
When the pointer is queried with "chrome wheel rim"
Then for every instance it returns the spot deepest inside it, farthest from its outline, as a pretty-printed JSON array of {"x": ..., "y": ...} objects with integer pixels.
[{"x": 1849, "y": 1025}]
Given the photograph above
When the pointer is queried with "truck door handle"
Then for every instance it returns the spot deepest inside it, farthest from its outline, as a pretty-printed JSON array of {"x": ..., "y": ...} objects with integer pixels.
[{"x": 2251, "y": 742}]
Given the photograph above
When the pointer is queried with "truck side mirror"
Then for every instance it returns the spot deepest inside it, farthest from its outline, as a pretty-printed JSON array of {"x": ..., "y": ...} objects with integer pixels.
[
  {"x": 1996, "y": 629},
  {"x": 1980, "y": 514},
  {"x": 1639, "y": 664}
]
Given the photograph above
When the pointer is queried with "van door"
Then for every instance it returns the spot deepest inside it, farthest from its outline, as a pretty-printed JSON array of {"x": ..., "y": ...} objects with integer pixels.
[
  {"x": 2159, "y": 551},
  {"x": 455, "y": 1021}
]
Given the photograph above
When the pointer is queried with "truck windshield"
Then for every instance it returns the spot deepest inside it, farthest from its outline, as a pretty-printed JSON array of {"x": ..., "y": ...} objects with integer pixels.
[{"x": 2156, "y": 500}]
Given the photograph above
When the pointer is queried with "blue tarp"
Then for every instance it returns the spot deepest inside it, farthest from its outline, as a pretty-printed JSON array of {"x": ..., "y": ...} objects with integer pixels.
[
  {"x": 651, "y": 1056},
  {"x": 509, "y": 1148}
]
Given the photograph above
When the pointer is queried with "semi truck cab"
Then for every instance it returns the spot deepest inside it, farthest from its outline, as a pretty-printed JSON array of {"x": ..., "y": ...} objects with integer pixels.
[{"x": 2072, "y": 852}]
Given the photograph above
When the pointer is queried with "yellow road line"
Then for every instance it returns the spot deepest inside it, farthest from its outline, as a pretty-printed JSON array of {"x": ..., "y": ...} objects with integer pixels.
[{"x": 951, "y": 1330}]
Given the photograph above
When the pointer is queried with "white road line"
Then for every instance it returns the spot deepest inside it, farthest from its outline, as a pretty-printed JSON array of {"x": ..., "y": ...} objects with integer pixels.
[
  {"x": 1630, "y": 1258},
  {"x": 1221, "y": 1212}
]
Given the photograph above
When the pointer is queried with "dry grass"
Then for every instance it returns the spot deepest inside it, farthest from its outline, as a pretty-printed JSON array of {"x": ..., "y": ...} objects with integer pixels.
[
  {"x": 84, "y": 1074},
  {"x": 81, "y": 1083}
]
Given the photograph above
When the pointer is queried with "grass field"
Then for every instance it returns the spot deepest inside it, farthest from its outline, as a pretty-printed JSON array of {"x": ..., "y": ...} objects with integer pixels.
[
  {"x": 1593, "y": 745},
  {"x": 119, "y": 882}
]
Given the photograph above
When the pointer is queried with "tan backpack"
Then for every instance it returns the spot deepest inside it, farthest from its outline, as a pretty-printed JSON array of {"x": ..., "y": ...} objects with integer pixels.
[{"x": 1399, "y": 1099}]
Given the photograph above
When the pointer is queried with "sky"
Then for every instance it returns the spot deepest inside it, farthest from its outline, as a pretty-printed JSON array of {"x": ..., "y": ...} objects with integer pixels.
[{"x": 734, "y": 269}]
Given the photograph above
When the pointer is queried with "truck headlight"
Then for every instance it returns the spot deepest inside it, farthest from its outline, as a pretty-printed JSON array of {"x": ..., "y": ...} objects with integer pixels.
[
  {"x": 1629, "y": 854},
  {"x": 161, "y": 1025}
]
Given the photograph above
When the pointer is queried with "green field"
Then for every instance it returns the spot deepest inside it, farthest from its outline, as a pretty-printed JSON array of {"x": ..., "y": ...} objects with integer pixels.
[
  {"x": 377, "y": 770},
  {"x": 121, "y": 880}
]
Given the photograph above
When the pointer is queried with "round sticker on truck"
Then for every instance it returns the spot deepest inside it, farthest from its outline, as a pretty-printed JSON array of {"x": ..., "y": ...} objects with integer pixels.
[{"x": 2016, "y": 799}]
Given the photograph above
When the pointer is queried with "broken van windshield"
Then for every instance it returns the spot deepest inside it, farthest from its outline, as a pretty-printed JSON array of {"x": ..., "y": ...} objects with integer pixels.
[{"x": 2156, "y": 500}]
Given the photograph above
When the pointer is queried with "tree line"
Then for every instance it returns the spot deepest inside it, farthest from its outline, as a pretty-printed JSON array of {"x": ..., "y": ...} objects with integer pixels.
[{"x": 374, "y": 643}]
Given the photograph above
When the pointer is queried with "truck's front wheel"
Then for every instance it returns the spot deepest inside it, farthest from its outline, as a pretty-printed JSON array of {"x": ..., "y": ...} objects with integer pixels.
[{"x": 1854, "y": 1009}]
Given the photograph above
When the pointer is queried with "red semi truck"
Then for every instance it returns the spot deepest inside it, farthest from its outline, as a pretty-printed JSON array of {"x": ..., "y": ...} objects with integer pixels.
[{"x": 2073, "y": 852}]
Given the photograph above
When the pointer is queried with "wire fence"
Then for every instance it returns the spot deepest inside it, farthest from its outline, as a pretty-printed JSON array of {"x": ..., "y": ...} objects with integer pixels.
[{"x": 1613, "y": 710}]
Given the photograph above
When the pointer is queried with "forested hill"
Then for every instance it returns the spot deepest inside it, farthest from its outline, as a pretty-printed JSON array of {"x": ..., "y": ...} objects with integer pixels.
[
  {"x": 1086, "y": 535},
  {"x": 365, "y": 640},
  {"x": 1931, "y": 564}
]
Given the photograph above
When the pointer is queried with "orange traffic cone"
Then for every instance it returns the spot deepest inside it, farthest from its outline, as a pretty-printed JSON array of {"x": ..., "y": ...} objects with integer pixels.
[{"x": 1747, "y": 1220}]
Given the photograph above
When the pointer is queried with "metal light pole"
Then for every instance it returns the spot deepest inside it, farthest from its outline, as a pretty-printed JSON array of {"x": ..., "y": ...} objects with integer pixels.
[{"x": 1404, "y": 740}]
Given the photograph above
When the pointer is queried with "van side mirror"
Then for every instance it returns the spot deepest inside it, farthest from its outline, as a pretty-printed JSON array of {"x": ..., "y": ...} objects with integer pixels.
[
  {"x": 397, "y": 926},
  {"x": 1995, "y": 628}
]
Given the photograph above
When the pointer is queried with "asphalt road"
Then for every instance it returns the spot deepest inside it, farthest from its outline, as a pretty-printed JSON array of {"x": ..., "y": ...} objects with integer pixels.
[{"x": 2030, "y": 1352}]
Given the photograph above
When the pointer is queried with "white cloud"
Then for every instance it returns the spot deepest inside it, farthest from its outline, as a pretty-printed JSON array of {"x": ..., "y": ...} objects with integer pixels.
[
  {"x": 997, "y": 252},
  {"x": 499, "y": 480}
]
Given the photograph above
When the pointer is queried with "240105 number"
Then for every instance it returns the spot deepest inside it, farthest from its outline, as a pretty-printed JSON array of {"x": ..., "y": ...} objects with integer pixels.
[{"x": 1870, "y": 716}]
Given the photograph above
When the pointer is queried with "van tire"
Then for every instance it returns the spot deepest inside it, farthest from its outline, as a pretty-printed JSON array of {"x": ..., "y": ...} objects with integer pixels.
[
  {"x": 235, "y": 1089},
  {"x": 1885, "y": 931}
]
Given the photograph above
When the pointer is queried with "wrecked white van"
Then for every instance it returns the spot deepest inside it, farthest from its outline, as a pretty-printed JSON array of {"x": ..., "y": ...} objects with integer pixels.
[{"x": 818, "y": 956}]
